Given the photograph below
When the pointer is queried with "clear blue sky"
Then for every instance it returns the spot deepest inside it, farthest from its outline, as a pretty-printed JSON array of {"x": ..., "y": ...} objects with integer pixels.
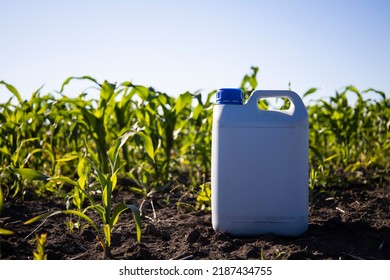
[{"x": 176, "y": 46}]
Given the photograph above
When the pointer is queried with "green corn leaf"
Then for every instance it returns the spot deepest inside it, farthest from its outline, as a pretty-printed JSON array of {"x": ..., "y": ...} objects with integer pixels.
[
  {"x": 114, "y": 180},
  {"x": 204, "y": 196},
  {"x": 337, "y": 115},
  {"x": 354, "y": 89},
  {"x": 91, "y": 120},
  {"x": 208, "y": 190},
  {"x": 113, "y": 152},
  {"x": 106, "y": 196},
  {"x": 81, "y": 166},
  {"x": 102, "y": 178},
  {"x": 4, "y": 231},
  {"x": 163, "y": 99},
  {"x": 310, "y": 91},
  {"x": 197, "y": 111},
  {"x": 253, "y": 78},
  {"x": 107, "y": 91},
  {"x": 4, "y": 150},
  {"x": 148, "y": 144},
  {"x": 116, "y": 212},
  {"x": 137, "y": 218},
  {"x": 31, "y": 174},
  {"x": 317, "y": 153},
  {"x": 3, "y": 118},
  {"x": 106, "y": 101},
  {"x": 134, "y": 178},
  {"x": 107, "y": 234},
  {"x": 42, "y": 216},
  {"x": 142, "y": 92},
  {"x": 331, "y": 157},
  {"x": 99, "y": 209},
  {"x": 198, "y": 96},
  {"x": 381, "y": 93},
  {"x": 126, "y": 84},
  {"x": 64, "y": 180},
  {"x": 15, "y": 156},
  {"x": 68, "y": 158},
  {"x": 352, "y": 167},
  {"x": 77, "y": 78},
  {"x": 12, "y": 89},
  {"x": 49, "y": 151},
  {"x": 35, "y": 95},
  {"x": 137, "y": 190},
  {"x": 81, "y": 215},
  {"x": 209, "y": 97},
  {"x": 327, "y": 106},
  {"x": 82, "y": 172},
  {"x": 182, "y": 101}
]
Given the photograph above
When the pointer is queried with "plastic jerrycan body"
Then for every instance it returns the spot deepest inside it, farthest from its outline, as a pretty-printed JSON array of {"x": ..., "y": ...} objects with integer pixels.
[{"x": 260, "y": 168}]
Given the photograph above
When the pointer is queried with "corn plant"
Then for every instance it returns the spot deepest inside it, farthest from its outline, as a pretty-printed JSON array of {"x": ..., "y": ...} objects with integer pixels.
[
  {"x": 40, "y": 253},
  {"x": 77, "y": 196},
  {"x": 124, "y": 116},
  {"x": 249, "y": 82},
  {"x": 108, "y": 213},
  {"x": 203, "y": 200},
  {"x": 347, "y": 139}
]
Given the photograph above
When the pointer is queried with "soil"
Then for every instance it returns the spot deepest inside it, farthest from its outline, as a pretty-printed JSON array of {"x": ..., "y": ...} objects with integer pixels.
[{"x": 343, "y": 224}]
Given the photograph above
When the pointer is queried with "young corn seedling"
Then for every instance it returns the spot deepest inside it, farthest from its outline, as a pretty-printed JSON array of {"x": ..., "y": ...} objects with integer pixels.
[
  {"x": 203, "y": 200},
  {"x": 108, "y": 213},
  {"x": 40, "y": 253},
  {"x": 78, "y": 194}
]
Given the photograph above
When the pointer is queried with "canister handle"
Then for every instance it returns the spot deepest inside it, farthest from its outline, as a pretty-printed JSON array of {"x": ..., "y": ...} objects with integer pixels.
[{"x": 297, "y": 106}]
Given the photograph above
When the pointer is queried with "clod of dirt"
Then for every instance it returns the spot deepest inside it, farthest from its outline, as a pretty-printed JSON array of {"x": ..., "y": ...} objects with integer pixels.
[
  {"x": 152, "y": 230},
  {"x": 252, "y": 252},
  {"x": 226, "y": 247},
  {"x": 193, "y": 236},
  {"x": 221, "y": 236}
]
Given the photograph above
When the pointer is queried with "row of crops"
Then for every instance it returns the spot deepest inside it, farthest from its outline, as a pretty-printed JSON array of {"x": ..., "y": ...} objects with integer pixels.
[{"x": 158, "y": 141}]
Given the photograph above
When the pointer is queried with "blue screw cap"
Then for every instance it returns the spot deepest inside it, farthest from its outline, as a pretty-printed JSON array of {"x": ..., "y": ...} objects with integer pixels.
[{"x": 230, "y": 96}]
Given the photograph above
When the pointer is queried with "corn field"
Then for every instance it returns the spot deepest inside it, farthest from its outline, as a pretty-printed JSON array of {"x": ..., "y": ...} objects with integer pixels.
[{"x": 79, "y": 148}]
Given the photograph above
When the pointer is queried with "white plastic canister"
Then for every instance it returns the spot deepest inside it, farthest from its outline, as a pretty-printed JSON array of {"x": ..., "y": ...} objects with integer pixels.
[{"x": 259, "y": 174}]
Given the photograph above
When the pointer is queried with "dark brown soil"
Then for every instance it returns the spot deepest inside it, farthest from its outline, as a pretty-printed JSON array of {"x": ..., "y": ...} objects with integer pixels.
[{"x": 344, "y": 224}]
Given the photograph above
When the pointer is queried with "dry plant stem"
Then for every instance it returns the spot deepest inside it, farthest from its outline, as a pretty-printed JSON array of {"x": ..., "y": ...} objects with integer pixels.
[
  {"x": 141, "y": 207},
  {"x": 154, "y": 211},
  {"x": 35, "y": 229}
]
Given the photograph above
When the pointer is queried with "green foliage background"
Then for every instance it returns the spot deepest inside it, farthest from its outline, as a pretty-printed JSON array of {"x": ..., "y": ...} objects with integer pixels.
[{"x": 171, "y": 138}]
